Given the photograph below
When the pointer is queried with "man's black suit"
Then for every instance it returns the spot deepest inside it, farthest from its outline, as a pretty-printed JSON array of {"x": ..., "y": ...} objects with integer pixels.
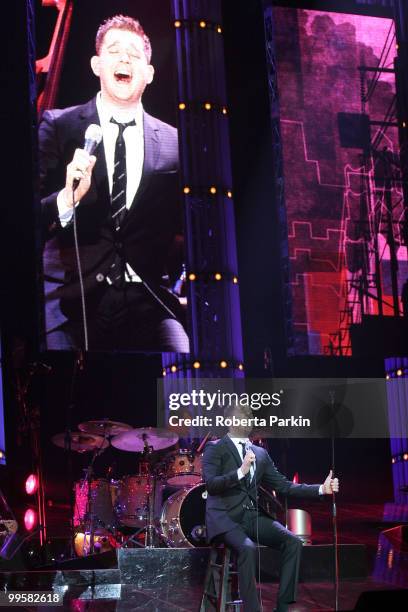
[
  {"x": 232, "y": 517},
  {"x": 146, "y": 232}
]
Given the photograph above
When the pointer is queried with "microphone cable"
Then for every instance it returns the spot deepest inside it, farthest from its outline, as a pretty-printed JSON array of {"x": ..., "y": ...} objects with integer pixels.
[
  {"x": 257, "y": 530},
  {"x": 257, "y": 540},
  {"x": 80, "y": 275},
  {"x": 93, "y": 136}
]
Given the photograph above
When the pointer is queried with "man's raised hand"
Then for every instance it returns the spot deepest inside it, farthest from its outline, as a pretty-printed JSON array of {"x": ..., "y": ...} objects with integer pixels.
[
  {"x": 248, "y": 460},
  {"x": 80, "y": 169},
  {"x": 330, "y": 485}
]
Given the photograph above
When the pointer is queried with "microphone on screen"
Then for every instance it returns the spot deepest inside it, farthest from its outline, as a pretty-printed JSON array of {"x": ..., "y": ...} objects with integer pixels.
[
  {"x": 248, "y": 447},
  {"x": 93, "y": 137}
]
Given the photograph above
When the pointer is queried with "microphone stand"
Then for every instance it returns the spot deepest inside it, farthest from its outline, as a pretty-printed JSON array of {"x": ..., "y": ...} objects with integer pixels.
[{"x": 334, "y": 511}]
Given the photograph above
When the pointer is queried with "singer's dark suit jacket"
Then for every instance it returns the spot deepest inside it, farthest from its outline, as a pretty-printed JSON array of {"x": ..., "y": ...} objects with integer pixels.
[
  {"x": 145, "y": 235},
  {"x": 227, "y": 494}
]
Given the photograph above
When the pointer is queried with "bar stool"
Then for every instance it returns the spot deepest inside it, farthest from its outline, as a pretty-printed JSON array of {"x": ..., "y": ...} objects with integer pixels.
[{"x": 221, "y": 582}]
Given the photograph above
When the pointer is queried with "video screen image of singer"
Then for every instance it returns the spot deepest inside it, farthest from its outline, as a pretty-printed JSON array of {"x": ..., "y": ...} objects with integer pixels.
[{"x": 111, "y": 210}]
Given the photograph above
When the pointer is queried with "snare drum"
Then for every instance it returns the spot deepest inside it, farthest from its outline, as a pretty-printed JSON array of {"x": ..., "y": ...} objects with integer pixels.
[
  {"x": 131, "y": 504},
  {"x": 183, "y": 468}
]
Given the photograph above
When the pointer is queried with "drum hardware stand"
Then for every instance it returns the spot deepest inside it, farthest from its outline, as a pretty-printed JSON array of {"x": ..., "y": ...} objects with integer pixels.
[
  {"x": 150, "y": 530},
  {"x": 89, "y": 518},
  {"x": 78, "y": 367}
]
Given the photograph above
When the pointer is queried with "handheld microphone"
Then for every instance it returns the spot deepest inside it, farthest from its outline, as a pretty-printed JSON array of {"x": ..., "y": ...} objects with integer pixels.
[
  {"x": 248, "y": 447},
  {"x": 93, "y": 137}
]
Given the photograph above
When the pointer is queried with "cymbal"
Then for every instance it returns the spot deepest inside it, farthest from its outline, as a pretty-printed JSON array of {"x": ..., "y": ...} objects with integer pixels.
[
  {"x": 136, "y": 440},
  {"x": 104, "y": 427},
  {"x": 81, "y": 442}
]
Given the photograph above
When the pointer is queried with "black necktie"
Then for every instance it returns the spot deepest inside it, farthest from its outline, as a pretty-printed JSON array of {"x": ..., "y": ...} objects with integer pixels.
[
  {"x": 243, "y": 444},
  {"x": 118, "y": 196},
  {"x": 118, "y": 200}
]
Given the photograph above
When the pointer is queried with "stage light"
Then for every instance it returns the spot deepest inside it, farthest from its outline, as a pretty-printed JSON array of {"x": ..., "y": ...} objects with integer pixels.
[
  {"x": 213, "y": 190},
  {"x": 177, "y": 24},
  {"x": 224, "y": 110},
  {"x": 218, "y": 276},
  {"x": 164, "y": 373},
  {"x": 223, "y": 364},
  {"x": 219, "y": 30},
  {"x": 235, "y": 280},
  {"x": 207, "y": 106},
  {"x": 399, "y": 372},
  {"x": 387, "y": 377},
  {"x": 240, "y": 366},
  {"x": 296, "y": 478},
  {"x": 30, "y": 519},
  {"x": 405, "y": 456},
  {"x": 404, "y": 125},
  {"x": 2, "y": 455},
  {"x": 31, "y": 484},
  {"x": 192, "y": 276},
  {"x": 393, "y": 460},
  {"x": 203, "y": 24},
  {"x": 186, "y": 190},
  {"x": 182, "y": 106},
  {"x": 229, "y": 194},
  {"x": 196, "y": 365},
  {"x": 173, "y": 368}
]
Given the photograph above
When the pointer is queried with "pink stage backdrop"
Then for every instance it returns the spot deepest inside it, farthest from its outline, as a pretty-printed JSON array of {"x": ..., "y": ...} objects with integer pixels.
[{"x": 341, "y": 198}]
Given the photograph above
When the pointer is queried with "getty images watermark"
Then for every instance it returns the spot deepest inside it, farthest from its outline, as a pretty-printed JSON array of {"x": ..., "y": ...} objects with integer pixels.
[
  {"x": 309, "y": 408},
  {"x": 208, "y": 401}
]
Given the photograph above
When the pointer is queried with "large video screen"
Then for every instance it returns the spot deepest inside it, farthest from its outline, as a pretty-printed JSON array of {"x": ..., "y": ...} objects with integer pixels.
[
  {"x": 342, "y": 181},
  {"x": 111, "y": 211}
]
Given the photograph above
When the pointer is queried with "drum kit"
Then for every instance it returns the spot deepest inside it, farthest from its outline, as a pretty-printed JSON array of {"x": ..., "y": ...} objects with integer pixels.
[{"x": 162, "y": 504}]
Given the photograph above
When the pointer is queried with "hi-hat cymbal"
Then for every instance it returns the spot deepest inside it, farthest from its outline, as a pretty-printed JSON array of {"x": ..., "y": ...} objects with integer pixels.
[
  {"x": 81, "y": 442},
  {"x": 137, "y": 440},
  {"x": 104, "y": 427}
]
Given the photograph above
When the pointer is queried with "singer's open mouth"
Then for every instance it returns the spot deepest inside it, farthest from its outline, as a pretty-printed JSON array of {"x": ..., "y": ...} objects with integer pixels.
[{"x": 121, "y": 76}]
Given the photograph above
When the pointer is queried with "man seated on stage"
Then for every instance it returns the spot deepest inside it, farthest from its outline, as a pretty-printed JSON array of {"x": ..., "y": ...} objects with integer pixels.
[
  {"x": 233, "y": 470},
  {"x": 128, "y": 211}
]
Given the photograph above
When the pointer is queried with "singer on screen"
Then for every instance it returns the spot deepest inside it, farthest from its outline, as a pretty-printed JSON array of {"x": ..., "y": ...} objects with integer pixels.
[
  {"x": 117, "y": 165},
  {"x": 233, "y": 471}
]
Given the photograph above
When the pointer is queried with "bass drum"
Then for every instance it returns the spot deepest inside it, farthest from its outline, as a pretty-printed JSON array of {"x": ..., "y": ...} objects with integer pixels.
[{"x": 182, "y": 520}]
